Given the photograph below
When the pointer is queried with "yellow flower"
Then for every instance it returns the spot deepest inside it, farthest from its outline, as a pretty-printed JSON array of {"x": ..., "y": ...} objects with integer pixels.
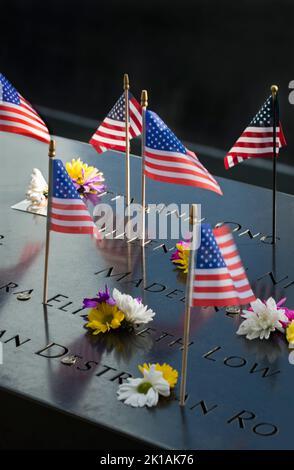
[
  {"x": 169, "y": 374},
  {"x": 86, "y": 179},
  {"x": 75, "y": 170},
  {"x": 183, "y": 260},
  {"x": 104, "y": 318},
  {"x": 290, "y": 333}
]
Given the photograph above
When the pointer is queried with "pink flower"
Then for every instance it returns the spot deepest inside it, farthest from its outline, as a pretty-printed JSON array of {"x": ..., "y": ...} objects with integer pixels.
[{"x": 288, "y": 312}]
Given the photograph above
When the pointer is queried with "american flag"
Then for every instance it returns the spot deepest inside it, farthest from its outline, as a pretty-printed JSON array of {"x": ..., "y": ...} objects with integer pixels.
[
  {"x": 69, "y": 213},
  {"x": 167, "y": 160},
  {"x": 111, "y": 134},
  {"x": 17, "y": 115},
  {"x": 219, "y": 277},
  {"x": 257, "y": 139}
]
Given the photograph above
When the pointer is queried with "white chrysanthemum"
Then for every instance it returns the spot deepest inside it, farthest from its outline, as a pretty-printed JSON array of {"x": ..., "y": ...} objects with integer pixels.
[
  {"x": 263, "y": 320},
  {"x": 37, "y": 188},
  {"x": 135, "y": 312},
  {"x": 145, "y": 391}
]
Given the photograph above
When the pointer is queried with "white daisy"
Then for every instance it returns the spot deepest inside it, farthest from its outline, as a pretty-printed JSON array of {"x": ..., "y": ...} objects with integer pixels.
[
  {"x": 37, "y": 188},
  {"x": 262, "y": 320},
  {"x": 135, "y": 312},
  {"x": 145, "y": 391}
]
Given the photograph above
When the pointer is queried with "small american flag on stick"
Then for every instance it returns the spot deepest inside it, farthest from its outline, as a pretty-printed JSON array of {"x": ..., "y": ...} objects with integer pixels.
[
  {"x": 219, "y": 275},
  {"x": 167, "y": 159},
  {"x": 69, "y": 213},
  {"x": 18, "y": 116},
  {"x": 257, "y": 139},
  {"x": 111, "y": 134}
]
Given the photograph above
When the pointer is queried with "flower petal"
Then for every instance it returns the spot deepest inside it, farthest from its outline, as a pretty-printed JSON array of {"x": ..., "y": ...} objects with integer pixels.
[
  {"x": 163, "y": 388},
  {"x": 90, "y": 303},
  {"x": 136, "y": 400},
  {"x": 271, "y": 304},
  {"x": 152, "y": 397},
  {"x": 257, "y": 305}
]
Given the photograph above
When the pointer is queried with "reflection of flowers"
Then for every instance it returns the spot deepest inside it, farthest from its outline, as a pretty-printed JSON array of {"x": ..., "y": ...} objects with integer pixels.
[
  {"x": 181, "y": 256},
  {"x": 262, "y": 319},
  {"x": 121, "y": 310},
  {"x": 122, "y": 343},
  {"x": 37, "y": 192},
  {"x": 169, "y": 374},
  {"x": 91, "y": 199},
  {"x": 144, "y": 391},
  {"x": 269, "y": 350},
  {"x": 86, "y": 179},
  {"x": 290, "y": 334}
]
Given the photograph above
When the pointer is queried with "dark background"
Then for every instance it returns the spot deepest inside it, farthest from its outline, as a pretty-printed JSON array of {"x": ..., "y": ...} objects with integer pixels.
[{"x": 207, "y": 65}]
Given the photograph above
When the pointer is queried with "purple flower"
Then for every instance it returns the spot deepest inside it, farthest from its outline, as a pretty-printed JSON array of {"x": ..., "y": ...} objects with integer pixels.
[
  {"x": 102, "y": 296},
  {"x": 86, "y": 179},
  {"x": 90, "y": 303},
  {"x": 91, "y": 198},
  {"x": 176, "y": 254},
  {"x": 288, "y": 312}
]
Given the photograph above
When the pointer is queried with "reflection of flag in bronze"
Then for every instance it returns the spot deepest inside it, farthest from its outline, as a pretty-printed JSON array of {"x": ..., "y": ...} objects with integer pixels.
[
  {"x": 219, "y": 276},
  {"x": 111, "y": 134},
  {"x": 166, "y": 158},
  {"x": 125, "y": 257},
  {"x": 257, "y": 139},
  {"x": 17, "y": 115},
  {"x": 69, "y": 213},
  {"x": 16, "y": 271}
]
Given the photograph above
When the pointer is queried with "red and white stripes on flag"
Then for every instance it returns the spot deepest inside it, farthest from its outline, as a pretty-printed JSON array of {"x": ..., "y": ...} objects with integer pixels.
[
  {"x": 219, "y": 275},
  {"x": 71, "y": 216},
  {"x": 18, "y": 116},
  {"x": 177, "y": 168},
  {"x": 68, "y": 212},
  {"x": 255, "y": 142},
  {"x": 111, "y": 134},
  {"x": 166, "y": 159},
  {"x": 257, "y": 139}
]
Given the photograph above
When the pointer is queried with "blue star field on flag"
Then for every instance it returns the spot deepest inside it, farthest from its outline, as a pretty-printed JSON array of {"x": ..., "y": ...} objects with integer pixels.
[
  {"x": 257, "y": 140},
  {"x": 166, "y": 159},
  {"x": 69, "y": 213},
  {"x": 63, "y": 186},
  {"x": 111, "y": 134},
  {"x": 208, "y": 254},
  {"x": 159, "y": 136},
  {"x": 7, "y": 92},
  {"x": 264, "y": 117},
  {"x": 17, "y": 115}
]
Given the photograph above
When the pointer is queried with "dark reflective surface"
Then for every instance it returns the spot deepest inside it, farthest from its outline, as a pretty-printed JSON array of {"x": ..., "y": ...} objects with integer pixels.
[
  {"x": 189, "y": 56},
  {"x": 227, "y": 374}
]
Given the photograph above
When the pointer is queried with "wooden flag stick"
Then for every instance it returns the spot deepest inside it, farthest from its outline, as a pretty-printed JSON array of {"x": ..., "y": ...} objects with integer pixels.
[
  {"x": 144, "y": 104},
  {"x": 274, "y": 90},
  {"x": 51, "y": 155},
  {"x": 189, "y": 291},
  {"x": 127, "y": 118}
]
